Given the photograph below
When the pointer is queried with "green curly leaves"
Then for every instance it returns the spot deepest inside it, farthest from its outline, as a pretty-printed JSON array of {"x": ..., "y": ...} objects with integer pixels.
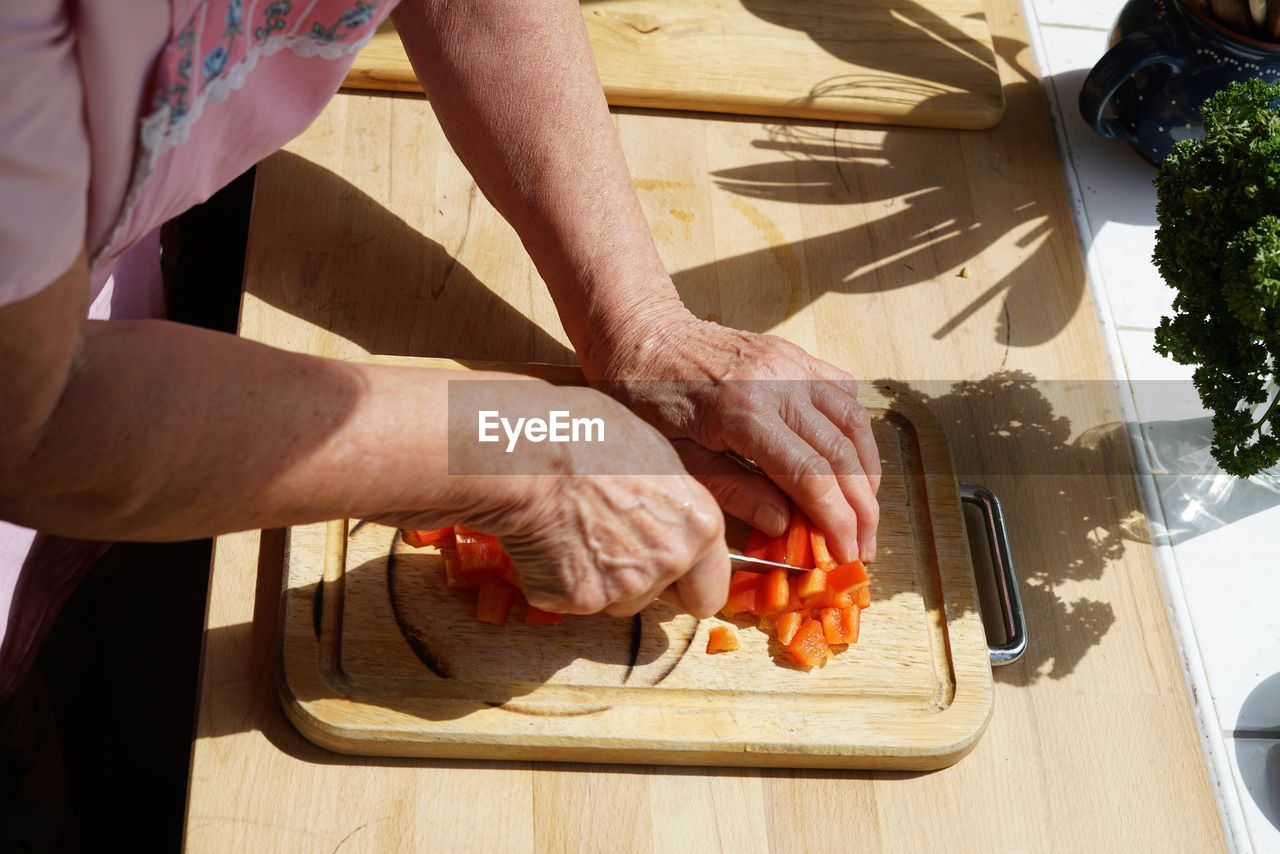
[{"x": 1218, "y": 244}]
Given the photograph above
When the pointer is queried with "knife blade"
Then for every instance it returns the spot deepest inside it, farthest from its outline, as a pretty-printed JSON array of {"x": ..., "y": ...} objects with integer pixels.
[{"x": 761, "y": 564}]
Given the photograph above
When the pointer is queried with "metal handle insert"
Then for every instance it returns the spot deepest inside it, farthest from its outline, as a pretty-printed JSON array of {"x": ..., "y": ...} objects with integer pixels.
[{"x": 1015, "y": 622}]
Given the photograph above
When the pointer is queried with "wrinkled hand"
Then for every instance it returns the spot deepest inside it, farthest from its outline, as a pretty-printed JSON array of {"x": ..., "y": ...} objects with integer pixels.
[
  {"x": 712, "y": 389},
  {"x": 584, "y": 540}
]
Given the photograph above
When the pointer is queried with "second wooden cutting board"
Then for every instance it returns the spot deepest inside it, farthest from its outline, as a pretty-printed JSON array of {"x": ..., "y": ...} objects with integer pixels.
[
  {"x": 881, "y": 61},
  {"x": 379, "y": 658}
]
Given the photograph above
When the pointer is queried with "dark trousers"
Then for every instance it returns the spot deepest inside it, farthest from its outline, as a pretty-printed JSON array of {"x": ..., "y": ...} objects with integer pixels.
[{"x": 95, "y": 744}]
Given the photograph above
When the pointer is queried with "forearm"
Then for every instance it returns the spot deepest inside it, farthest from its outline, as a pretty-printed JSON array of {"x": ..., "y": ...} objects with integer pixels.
[
  {"x": 166, "y": 432},
  {"x": 515, "y": 88}
]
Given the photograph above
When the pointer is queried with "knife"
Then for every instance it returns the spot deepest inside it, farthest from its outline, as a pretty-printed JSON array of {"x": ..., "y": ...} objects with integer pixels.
[{"x": 760, "y": 564}]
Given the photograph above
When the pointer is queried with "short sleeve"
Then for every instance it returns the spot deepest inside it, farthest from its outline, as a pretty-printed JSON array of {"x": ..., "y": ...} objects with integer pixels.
[{"x": 44, "y": 148}]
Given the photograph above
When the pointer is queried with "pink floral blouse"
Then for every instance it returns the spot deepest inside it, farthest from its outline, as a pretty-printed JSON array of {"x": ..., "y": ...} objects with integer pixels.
[{"x": 116, "y": 116}]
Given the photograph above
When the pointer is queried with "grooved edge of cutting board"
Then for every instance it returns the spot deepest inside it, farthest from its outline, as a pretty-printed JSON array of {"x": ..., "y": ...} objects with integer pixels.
[
  {"x": 369, "y": 712},
  {"x": 877, "y": 61}
]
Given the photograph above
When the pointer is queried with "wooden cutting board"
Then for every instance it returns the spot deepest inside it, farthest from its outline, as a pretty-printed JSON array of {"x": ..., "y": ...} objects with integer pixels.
[
  {"x": 881, "y": 61},
  {"x": 379, "y": 658}
]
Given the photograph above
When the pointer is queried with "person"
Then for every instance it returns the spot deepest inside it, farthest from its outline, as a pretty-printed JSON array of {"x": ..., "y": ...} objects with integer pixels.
[{"x": 118, "y": 425}]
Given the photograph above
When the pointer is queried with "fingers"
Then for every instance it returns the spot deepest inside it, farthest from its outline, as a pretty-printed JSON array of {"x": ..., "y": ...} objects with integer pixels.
[
  {"x": 700, "y": 590},
  {"x": 742, "y": 493},
  {"x": 851, "y": 418},
  {"x": 842, "y": 455},
  {"x": 803, "y": 472}
]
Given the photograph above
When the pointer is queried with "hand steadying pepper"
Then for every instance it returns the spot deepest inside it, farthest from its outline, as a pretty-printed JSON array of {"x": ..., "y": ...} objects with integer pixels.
[{"x": 717, "y": 390}]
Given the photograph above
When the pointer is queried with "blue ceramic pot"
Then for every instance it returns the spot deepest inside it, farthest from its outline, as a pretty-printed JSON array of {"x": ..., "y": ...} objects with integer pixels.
[{"x": 1166, "y": 58}]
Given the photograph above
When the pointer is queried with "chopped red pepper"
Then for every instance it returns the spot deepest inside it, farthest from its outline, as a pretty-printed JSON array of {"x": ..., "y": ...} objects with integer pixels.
[
  {"x": 822, "y": 558},
  {"x": 813, "y": 583},
  {"x": 538, "y": 617},
  {"x": 722, "y": 639},
  {"x": 774, "y": 592},
  {"x": 481, "y": 554},
  {"x": 850, "y": 623},
  {"x": 787, "y": 625},
  {"x": 809, "y": 646},
  {"x": 799, "y": 550},
  {"x": 453, "y": 577},
  {"x": 831, "y": 629},
  {"x": 862, "y": 595},
  {"x": 742, "y": 592},
  {"x": 493, "y": 604},
  {"x": 758, "y": 544},
  {"x": 795, "y": 602},
  {"x": 847, "y": 576},
  {"x": 422, "y": 539}
]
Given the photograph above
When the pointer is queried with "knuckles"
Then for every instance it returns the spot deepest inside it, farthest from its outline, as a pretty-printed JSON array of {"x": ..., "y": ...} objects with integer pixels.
[
  {"x": 813, "y": 470},
  {"x": 843, "y": 457}
]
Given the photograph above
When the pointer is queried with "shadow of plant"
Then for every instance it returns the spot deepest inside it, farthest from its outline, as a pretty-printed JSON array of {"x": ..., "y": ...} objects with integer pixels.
[
  {"x": 938, "y": 214},
  {"x": 1008, "y": 432}
]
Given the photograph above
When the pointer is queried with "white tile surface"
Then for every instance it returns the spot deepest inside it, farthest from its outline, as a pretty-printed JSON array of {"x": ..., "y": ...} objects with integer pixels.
[
  {"x": 1220, "y": 573},
  {"x": 1115, "y": 186},
  {"x": 1256, "y": 763},
  {"x": 1225, "y": 550},
  {"x": 1078, "y": 13}
]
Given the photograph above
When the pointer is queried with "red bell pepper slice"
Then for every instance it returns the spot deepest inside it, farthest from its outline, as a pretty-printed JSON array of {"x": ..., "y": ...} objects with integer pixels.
[
  {"x": 774, "y": 592},
  {"x": 799, "y": 550},
  {"x": 795, "y": 602},
  {"x": 822, "y": 558},
  {"x": 850, "y": 623},
  {"x": 493, "y": 604}
]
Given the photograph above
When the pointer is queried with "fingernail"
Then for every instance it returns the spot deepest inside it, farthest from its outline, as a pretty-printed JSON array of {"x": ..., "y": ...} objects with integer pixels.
[
  {"x": 869, "y": 553},
  {"x": 769, "y": 519}
]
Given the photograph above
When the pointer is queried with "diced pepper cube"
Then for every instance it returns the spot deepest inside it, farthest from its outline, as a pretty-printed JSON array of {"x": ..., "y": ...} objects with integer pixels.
[
  {"x": 850, "y": 623},
  {"x": 742, "y": 593},
  {"x": 831, "y": 628},
  {"x": 809, "y": 646},
  {"x": 847, "y": 576},
  {"x": 722, "y": 639},
  {"x": 814, "y": 583},
  {"x": 493, "y": 604},
  {"x": 482, "y": 554},
  {"x": 787, "y": 624}
]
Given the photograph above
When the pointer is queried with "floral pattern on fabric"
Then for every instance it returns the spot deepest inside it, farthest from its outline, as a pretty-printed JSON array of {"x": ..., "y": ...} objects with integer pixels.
[
  {"x": 274, "y": 18},
  {"x": 212, "y": 53},
  {"x": 352, "y": 19}
]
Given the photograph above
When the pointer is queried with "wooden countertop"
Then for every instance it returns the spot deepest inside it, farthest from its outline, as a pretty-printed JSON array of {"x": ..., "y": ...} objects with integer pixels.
[{"x": 945, "y": 260}]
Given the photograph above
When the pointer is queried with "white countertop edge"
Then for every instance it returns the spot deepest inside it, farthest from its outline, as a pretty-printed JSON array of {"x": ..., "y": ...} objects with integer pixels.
[{"x": 1221, "y": 776}]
